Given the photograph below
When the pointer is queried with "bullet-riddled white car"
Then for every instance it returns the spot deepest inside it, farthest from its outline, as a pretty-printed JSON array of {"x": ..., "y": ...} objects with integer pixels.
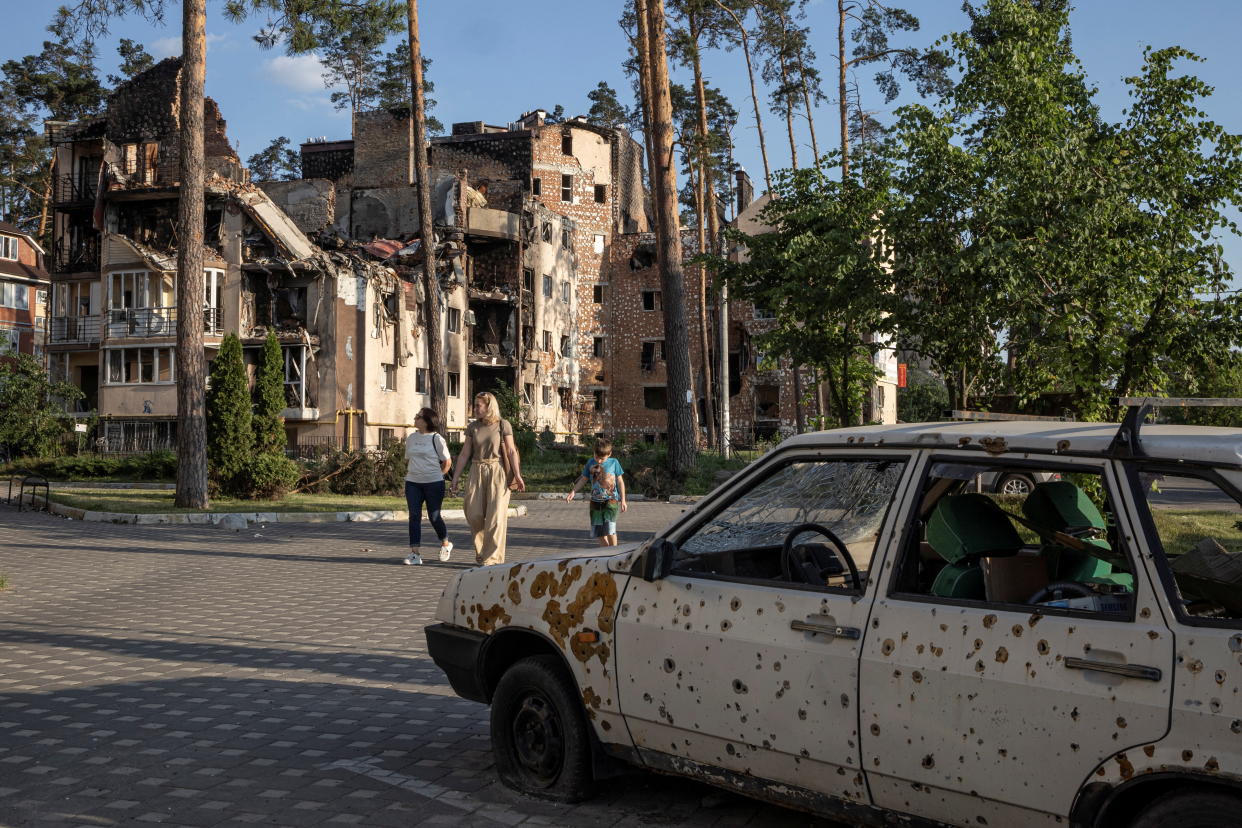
[{"x": 854, "y": 627}]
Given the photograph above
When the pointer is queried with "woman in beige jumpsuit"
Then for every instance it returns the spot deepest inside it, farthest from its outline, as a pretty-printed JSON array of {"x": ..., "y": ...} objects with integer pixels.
[{"x": 496, "y": 469}]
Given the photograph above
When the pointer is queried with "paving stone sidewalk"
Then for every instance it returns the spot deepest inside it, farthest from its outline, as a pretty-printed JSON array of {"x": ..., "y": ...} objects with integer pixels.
[{"x": 193, "y": 676}]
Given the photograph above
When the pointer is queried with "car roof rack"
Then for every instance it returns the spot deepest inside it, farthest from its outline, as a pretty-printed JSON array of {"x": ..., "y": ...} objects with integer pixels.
[
  {"x": 994, "y": 416},
  {"x": 1125, "y": 444}
]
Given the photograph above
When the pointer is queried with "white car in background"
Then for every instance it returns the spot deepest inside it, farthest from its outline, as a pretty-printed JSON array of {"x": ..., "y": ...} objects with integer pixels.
[{"x": 851, "y": 627}]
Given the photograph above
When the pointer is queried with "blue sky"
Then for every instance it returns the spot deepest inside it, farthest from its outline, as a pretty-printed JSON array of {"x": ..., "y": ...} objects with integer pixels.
[{"x": 495, "y": 59}]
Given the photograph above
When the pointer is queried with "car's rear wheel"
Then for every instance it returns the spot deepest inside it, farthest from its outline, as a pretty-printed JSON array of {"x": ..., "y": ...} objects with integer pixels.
[
  {"x": 1015, "y": 484},
  {"x": 1191, "y": 809},
  {"x": 539, "y": 732}
]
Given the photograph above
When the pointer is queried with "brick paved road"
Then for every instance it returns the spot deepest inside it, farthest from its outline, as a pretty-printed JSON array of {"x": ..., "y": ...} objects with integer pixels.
[{"x": 197, "y": 676}]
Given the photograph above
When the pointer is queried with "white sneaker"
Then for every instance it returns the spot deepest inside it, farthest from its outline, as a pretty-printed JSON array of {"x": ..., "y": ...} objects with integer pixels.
[
  {"x": 446, "y": 551},
  {"x": 414, "y": 559}
]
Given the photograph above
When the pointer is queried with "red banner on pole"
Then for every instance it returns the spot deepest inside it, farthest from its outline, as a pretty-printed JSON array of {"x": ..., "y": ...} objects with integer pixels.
[{"x": 901, "y": 375}]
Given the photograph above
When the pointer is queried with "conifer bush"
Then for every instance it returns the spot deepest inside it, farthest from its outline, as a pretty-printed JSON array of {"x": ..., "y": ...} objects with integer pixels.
[
  {"x": 269, "y": 399},
  {"x": 230, "y": 436}
]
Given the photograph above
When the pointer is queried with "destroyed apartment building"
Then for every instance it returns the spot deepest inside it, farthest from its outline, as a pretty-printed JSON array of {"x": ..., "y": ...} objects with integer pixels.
[{"x": 538, "y": 227}]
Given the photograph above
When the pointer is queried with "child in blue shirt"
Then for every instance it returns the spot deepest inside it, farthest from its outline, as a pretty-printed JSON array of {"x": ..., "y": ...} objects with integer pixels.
[{"x": 604, "y": 473}]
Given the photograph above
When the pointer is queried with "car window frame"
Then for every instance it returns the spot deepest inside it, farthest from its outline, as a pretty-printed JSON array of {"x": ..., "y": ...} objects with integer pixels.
[
  {"x": 1054, "y": 463},
  {"x": 746, "y": 483},
  {"x": 1147, "y": 525}
]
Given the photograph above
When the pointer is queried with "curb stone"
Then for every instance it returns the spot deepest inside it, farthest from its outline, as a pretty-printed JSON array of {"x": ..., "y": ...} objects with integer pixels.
[{"x": 240, "y": 520}]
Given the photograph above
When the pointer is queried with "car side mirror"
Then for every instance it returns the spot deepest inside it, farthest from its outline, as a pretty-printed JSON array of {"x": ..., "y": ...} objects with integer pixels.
[{"x": 656, "y": 560}]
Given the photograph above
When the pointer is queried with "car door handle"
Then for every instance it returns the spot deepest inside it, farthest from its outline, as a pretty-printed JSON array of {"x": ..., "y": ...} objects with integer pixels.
[
  {"x": 1138, "y": 671},
  {"x": 830, "y": 630}
]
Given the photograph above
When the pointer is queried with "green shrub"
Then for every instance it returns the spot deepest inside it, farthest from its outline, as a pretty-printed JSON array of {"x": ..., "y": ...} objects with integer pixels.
[
  {"x": 157, "y": 465},
  {"x": 269, "y": 398},
  {"x": 266, "y": 476}
]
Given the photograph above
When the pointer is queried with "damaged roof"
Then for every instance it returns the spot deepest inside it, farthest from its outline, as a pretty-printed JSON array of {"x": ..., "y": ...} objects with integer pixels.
[{"x": 274, "y": 221}]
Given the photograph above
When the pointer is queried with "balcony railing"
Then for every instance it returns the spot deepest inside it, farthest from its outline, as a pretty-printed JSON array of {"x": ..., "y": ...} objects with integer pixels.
[
  {"x": 67, "y": 329},
  {"x": 72, "y": 189},
  {"x": 211, "y": 321},
  {"x": 141, "y": 322},
  {"x": 76, "y": 258}
]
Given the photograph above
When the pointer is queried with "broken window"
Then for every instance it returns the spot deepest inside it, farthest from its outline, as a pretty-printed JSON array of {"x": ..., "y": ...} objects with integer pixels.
[
  {"x": 563, "y": 397},
  {"x": 213, "y": 291},
  {"x": 567, "y": 188},
  {"x": 653, "y": 352},
  {"x": 528, "y": 337},
  {"x": 454, "y": 384},
  {"x": 546, "y": 231},
  {"x": 565, "y": 292},
  {"x": 848, "y": 497},
  {"x": 295, "y": 377},
  {"x": 601, "y": 193},
  {"x": 420, "y": 380},
  {"x": 597, "y": 346},
  {"x": 536, "y": 186},
  {"x": 651, "y": 300},
  {"x": 386, "y": 436},
  {"x": 600, "y": 398},
  {"x": 388, "y": 378},
  {"x": 655, "y": 397},
  {"x": 546, "y": 394},
  {"x": 547, "y": 286},
  {"x": 566, "y": 348},
  {"x": 597, "y": 294},
  {"x": 566, "y": 238},
  {"x": 567, "y": 143},
  {"x": 598, "y": 242},
  {"x": 528, "y": 279},
  {"x": 129, "y": 158},
  {"x": 547, "y": 341},
  {"x": 453, "y": 321},
  {"x": 528, "y": 393}
]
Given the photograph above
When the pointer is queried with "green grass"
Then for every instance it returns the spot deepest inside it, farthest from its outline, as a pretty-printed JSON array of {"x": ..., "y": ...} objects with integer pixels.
[
  {"x": 145, "y": 501},
  {"x": 4, "y": 582},
  {"x": 1181, "y": 530}
]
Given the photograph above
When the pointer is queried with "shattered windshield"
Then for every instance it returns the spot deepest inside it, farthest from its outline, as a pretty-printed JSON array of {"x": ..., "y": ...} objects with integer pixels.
[{"x": 848, "y": 497}]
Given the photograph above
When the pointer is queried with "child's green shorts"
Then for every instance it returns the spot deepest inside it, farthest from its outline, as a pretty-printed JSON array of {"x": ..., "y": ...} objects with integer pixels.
[{"x": 604, "y": 517}]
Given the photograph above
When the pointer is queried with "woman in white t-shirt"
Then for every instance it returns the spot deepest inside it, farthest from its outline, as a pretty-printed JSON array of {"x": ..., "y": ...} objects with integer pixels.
[{"x": 427, "y": 458}]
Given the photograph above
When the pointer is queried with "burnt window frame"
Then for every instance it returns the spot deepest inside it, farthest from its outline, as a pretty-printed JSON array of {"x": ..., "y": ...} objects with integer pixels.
[
  {"x": 597, "y": 347},
  {"x": 567, "y": 188},
  {"x": 567, "y": 143},
  {"x": 453, "y": 384},
  {"x": 601, "y": 193},
  {"x": 452, "y": 320},
  {"x": 528, "y": 279},
  {"x": 597, "y": 294},
  {"x": 657, "y": 300},
  {"x": 536, "y": 186}
]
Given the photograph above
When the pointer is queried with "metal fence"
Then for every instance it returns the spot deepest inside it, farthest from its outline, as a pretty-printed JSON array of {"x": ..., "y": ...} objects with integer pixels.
[{"x": 66, "y": 329}]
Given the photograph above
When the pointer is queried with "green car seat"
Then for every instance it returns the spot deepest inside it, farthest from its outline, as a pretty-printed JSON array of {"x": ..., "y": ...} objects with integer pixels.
[
  {"x": 963, "y": 530},
  {"x": 1059, "y": 506}
]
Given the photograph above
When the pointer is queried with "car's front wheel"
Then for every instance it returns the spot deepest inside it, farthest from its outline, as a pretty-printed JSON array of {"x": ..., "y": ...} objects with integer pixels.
[
  {"x": 539, "y": 732},
  {"x": 1191, "y": 809}
]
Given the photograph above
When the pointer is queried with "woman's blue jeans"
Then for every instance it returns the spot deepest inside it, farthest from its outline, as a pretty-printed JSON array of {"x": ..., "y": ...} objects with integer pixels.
[{"x": 433, "y": 494}]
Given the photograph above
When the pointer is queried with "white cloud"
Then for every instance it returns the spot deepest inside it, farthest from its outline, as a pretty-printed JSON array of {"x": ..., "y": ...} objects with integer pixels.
[
  {"x": 301, "y": 73},
  {"x": 165, "y": 47}
]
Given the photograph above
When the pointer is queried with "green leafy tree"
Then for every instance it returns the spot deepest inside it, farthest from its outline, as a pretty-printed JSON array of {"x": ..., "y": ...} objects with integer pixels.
[
  {"x": 269, "y": 399},
  {"x": 1033, "y": 233},
  {"x": 822, "y": 269},
  {"x": 276, "y": 162},
  {"x": 230, "y": 435},
  {"x": 924, "y": 399},
  {"x": 30, "y": 403}
]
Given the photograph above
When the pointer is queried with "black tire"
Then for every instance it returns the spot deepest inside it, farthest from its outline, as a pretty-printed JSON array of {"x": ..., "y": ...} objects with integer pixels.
[
  {"x": 539, "y": 732},
  {"x": 1191, "y": 809},
  {"x": 1015, "y": 484}
]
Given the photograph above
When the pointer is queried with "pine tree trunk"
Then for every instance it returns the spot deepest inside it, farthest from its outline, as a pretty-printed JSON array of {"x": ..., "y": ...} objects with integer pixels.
[
  {"x": 793, "y": 145},
  {"x": 682, "y": 433},
  {"x": 842, "y": 103},
  {"x": 644, "y": 89},
  {"x": 191, "y": 360},
  {"x": 707, "y": 214},
  {"x": 436, "y": 372},
  {"x": 754, "y": 94},
  {"x": 810, "y": 117}
]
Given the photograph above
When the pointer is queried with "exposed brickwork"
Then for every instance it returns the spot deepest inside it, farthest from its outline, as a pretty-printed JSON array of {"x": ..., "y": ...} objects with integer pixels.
[{"x": 332, "y": 160}]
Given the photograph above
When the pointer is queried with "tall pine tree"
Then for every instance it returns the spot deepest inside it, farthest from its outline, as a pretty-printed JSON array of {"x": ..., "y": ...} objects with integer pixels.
[
  {"x": 269, "y": 399},
  {"x": 230, "y": 435}
]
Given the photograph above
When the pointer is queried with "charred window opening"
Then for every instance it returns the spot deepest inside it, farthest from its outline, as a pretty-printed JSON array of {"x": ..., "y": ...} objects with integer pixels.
[
  {"x": 256, "y": 244},
  {"x": 644, "y": 256},
  {"x": 528, "y": 337},
  {"x": 547, "y": 341},
  {"x": 528, "y": 279},
  {"x": 653, "y": 352},
  {"x": 567, "y": 144},
  {"x": 767, "y": 402},
  {"x": 597, "y": 294},
  {"x": 528, "y": 393},
  {"x": 420, "y": 380},
  {"x": 545, "y": 395},
  {"x": 150, "y": 224},
  {"x": 597, "y": 346},
  {"x": 655, "y": 397},
  {"x": 564, "y": 397},
  {"x": 278, "y": 305},
  {"x": 601, "y": 193},
  {"x": 492, "y": 332},
  {"x": 546, "y": 231},
  {"x": 567, "y": 188},
  {"x": 601, "y": 398},
  {"x": 213, "y": 229},
  {"x": 536, "y": 186},
  {"x": 651, "y": 300},
  {"x": 567, "y": 349},
  {"x": 547, "y": 287}
]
